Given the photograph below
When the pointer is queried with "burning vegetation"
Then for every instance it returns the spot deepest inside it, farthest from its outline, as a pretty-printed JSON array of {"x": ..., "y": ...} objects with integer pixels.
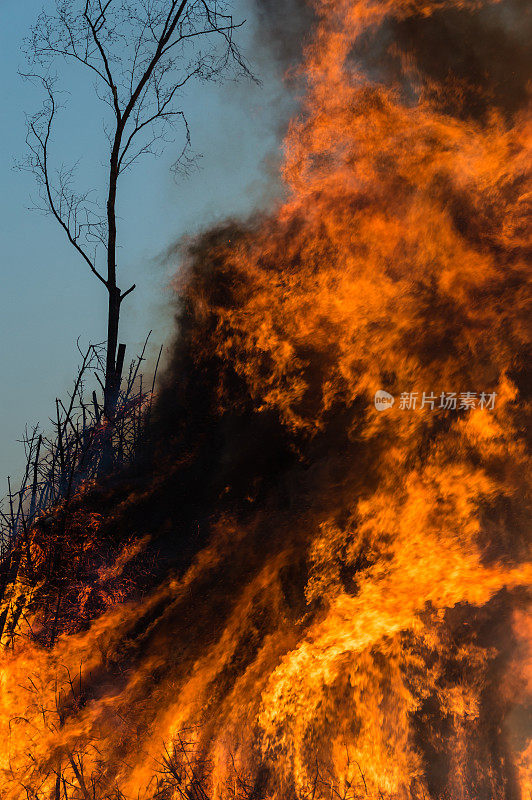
[{"x": 294, "y": 595}]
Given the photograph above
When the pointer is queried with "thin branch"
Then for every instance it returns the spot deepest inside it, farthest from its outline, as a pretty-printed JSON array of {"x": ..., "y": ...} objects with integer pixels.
[
  {"x": 128, "y": 291},
  {"x": 43, "y": 138},
  {"x": 94, "y": 30}
]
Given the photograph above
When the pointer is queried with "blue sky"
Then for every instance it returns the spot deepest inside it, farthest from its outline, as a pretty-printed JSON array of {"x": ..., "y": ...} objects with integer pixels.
[{"x": 48, "y": 297}]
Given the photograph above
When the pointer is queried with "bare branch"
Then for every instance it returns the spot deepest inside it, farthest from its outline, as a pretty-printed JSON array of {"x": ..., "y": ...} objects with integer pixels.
[
  {"x": 94, "y": 28},
  {"x": 38, "y": 141},
  {"x": 128, "y": 291}
]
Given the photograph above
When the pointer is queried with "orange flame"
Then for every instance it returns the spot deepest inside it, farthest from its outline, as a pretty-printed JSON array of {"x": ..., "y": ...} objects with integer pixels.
[{"x": 368, "y": 636}]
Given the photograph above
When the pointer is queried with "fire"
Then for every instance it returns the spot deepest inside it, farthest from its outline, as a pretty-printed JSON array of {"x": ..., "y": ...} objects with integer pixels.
[{"x": 343, "y": 606}]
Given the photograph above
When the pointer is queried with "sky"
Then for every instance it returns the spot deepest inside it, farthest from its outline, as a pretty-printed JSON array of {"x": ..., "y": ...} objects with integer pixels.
[{"x": 48, "y": 297}]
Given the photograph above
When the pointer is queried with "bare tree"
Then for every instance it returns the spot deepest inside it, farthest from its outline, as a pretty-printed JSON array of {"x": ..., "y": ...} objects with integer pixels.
[{"x": 142, "y": 53}]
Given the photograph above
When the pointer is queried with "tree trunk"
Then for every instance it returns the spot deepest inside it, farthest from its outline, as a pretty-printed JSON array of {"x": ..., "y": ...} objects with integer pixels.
[
  {"x": 113, "y": 315},
  {"x": 112, "y": 379},
  {"x": 111, "y": 387},
  {"x": 113, "y": 375}
]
